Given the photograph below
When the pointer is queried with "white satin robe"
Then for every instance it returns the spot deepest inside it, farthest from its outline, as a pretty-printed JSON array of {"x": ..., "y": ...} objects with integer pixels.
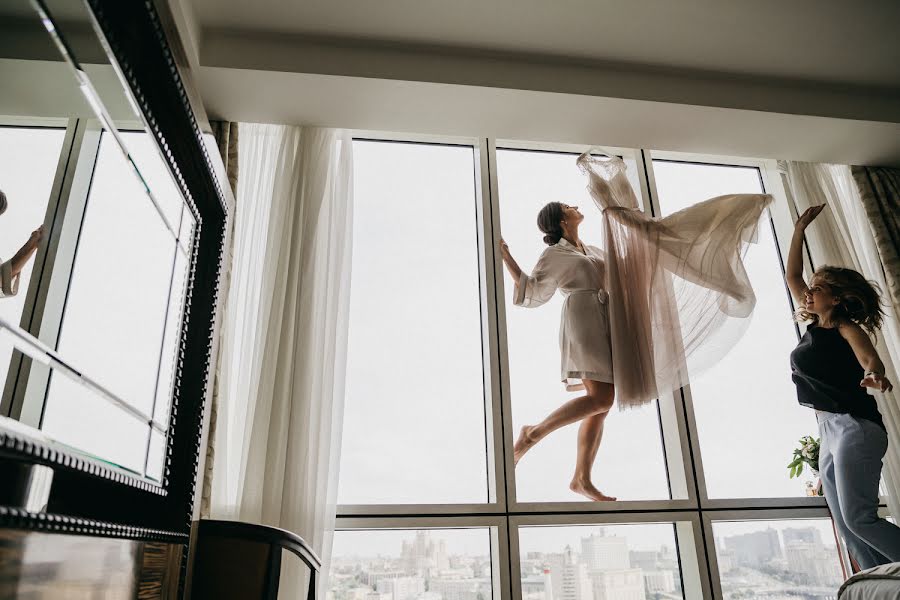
[{"x": 584, "y": 340}]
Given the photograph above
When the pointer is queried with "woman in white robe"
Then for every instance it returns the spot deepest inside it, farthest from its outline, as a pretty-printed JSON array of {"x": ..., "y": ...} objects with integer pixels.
[
  {"x": 664, "y": 298},
  {"x": 578, "y": 271}
]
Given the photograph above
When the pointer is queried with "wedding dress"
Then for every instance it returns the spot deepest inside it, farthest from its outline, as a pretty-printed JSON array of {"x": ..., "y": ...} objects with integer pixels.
[{"x": 678, "y": 296}]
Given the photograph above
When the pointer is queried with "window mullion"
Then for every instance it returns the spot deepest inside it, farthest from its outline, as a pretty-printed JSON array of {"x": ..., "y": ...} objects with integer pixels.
[
  {"x": 491, "y": 281},
  {"x": 501, "y": 356},
  {"x": 683, "y": 458}
]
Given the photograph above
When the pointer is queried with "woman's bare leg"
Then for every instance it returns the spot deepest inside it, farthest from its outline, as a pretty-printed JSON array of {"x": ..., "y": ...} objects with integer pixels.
[
  {"x": 599, "y": 399},
  {"x": 589, "y": 435}
]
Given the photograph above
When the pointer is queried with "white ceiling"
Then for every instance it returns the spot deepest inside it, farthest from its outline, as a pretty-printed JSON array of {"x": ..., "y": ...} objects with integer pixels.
[
  {"x": 474, "y": 111},
  {"x": 814, "y": 80},
  {"x": 833, "y": 41}
]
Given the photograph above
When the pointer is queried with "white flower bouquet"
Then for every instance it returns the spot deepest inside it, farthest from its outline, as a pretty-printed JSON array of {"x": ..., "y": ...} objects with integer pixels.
[{"x": 807, "y": 454}]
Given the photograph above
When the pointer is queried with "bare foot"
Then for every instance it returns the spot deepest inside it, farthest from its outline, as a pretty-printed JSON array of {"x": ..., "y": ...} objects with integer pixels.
[
  {"x": 524, "y": 443},
  {"x": 587, "y": 489}
]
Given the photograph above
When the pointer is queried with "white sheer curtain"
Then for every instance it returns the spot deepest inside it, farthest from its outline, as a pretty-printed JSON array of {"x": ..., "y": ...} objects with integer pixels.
[
  {"x": 284, "y": 345},
  {"x": 841, "y": 236}
]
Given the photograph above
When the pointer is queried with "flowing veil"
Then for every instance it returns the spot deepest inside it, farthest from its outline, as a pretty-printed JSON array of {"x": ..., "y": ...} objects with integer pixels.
[{"x": 679, "y": 294}]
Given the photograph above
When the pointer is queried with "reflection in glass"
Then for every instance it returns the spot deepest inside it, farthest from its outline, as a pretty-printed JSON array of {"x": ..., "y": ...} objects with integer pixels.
[
  {"x": 119, "y": 287},
  {"x": 142, "y": 149},
  {"x": 750, "y": 390},
  {"x": 609, "y": 562},
  {"x": 631, "y": 439},
  {"x": 28, "y": 161},
  {"x": 424, "y": 564},
  {"x": 776, "y": 559},
  {"x": 414, "y": 414},
  {"x": 109, "y": 292},
  {"x": 123, "y": 294},
  {"x": 76, "y": 416},
  {"x": 112, "y": 102}
]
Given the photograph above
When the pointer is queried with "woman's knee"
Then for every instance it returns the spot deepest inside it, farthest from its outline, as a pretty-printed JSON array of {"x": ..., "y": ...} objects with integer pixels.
[
  {"x": 601, "y": 400},
  {"x": 859, "y": 519}
]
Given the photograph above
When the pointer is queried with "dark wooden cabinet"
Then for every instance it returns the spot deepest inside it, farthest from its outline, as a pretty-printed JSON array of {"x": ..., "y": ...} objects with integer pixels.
[{"x": 40, "y": 566}]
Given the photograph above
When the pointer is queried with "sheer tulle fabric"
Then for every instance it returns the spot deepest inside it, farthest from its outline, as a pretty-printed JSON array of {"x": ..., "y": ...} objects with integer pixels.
[{"x": 679, "y": 295}]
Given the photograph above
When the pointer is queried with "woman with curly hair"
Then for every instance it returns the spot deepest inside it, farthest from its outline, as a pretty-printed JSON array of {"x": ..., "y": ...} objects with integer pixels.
[{"x": 833, "y": 365}]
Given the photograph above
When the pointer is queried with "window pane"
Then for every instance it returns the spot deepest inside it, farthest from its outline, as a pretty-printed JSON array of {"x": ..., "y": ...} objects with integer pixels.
[
  {"x": 425, "y": 564},
  {"x": 28, "y": 161},
  {"x": 119, "y": 286},
  {"x": 610, "y": 562},
  {"x": 414, "y": 414},
  {"x": 529, "y": 180},
  {"x": 74, "y": 415},
  {"x": 750, "y": 390},
  {"x": 777, "y": 559}
]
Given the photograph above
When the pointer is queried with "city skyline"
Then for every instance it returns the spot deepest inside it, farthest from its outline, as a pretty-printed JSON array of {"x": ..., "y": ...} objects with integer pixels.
[
  {"x": 585, "y": 562},
  {"x": 421, "y": 565},
  {"x": 788, "y": 558}
]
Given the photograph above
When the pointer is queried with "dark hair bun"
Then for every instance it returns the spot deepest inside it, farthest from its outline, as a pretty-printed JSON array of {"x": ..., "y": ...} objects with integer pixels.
[{"x": 548, "y": 222}]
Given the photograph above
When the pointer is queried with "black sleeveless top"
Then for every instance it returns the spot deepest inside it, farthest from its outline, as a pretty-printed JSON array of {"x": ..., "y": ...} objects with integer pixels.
[{"x": 827, "y": 375}]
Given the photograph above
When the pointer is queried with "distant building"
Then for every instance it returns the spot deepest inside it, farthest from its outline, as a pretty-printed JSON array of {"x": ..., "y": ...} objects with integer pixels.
[
  {"x": 372, "y": 577},
  {"x": 809, "y": 535},
  {"x": 569, "y": 578},
  {"x": 647, "y": 560},
  {"x": 421, "y": 555},
  {"x": 461, "y": 589},
  {"x": 618, "y": 584},
  {"x": 401, "y": 588},
  {"x": 659, "y": 581},
  {"x": 813, "y": 562},
  {"x": 548, "y": 585},
  {"x": 534, "y": 588},
  {"x": 600, "y": 552},
  {"x": 359, "y": 593},
  {"x": 755, "y": 549}
]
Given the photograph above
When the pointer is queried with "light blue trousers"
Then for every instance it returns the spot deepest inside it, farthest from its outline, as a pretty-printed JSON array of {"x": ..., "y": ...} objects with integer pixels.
[{"x": 850, "y": 457}]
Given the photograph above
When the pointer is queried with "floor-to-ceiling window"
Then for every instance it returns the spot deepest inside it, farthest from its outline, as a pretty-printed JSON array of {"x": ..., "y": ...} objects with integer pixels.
[{"x": 443, "y": 370}]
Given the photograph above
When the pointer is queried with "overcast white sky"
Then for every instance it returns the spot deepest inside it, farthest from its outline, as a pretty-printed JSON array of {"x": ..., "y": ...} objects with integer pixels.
[{"x": 414, "y": 422}]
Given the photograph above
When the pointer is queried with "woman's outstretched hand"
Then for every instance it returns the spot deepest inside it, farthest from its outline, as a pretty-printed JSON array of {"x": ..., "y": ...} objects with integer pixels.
[
  {"x": 35, "y": 238},
  {"x": 509, "y": 261},
  {"x": 877, "y": 381},
  {"x": 808, "y": 216}
]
